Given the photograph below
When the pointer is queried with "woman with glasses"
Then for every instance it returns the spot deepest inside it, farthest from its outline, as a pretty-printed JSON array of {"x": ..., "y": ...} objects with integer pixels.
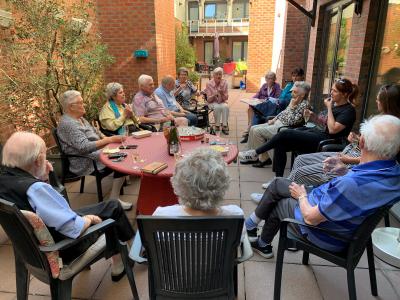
[
  {"x": 115, "y": 114},
  {"x": 334, "y": 122}
]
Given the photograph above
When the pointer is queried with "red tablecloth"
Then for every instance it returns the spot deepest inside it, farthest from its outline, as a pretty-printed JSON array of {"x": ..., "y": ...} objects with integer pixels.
[{"x": 156, "y": 190}]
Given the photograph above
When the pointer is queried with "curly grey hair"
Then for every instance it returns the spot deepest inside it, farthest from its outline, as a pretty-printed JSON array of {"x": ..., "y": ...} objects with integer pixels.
[
  {"x": 304, "y": 86},
  {"x": 201, "y": 179},
  {"x": 112, "y": 89},
  {"x": 68, "y": 97}
]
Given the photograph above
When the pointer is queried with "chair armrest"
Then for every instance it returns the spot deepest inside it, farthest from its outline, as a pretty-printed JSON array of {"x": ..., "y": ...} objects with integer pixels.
[
  {"x": 332, "y": 148},
  {"x": 327, "y": 231},
  {"x": 136, "y": 248},
  {"x": 247, "y": 251},
  {"x": 68, "y": 242},
  {"x": 328, "y": 142}
]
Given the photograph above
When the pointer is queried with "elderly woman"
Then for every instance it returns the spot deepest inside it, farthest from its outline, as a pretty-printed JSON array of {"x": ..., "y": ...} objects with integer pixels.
[
  {"x": 150, "y": 108},
  {"x": 333, "y": 123},
  {"x": 115, "y": 114},
  {"x": 77, "y": 136},
  {"x": 184, "y": 88},
  {"x": 200, "y": 182},
  {"x": 291, "y": 116},
  {"x": 217, "y": 97}
]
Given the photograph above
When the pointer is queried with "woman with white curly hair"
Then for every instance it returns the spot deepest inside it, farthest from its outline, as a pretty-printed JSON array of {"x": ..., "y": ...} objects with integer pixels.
[{"x": 200, "y": 182}]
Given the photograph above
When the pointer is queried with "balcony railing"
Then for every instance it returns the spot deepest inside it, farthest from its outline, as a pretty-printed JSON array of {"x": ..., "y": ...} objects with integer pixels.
[{"x": 225, "y": 27}]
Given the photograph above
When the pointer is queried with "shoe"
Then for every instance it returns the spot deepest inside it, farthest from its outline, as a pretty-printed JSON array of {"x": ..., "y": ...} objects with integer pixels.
[
  {"x": 292, "y": 249},
  {"x": 252, "y": 235},
  {"x": 217, "y": 128},
  {"x": 256, "y": 197},
  {"x": 117, "y": 277},
  {"x": 247, "y": 156},
  {"x": 225, "y": 130},
  {"x": 262, "y": 164},
  {"x": 266, "y": 185},
  {"x": 245, "y": 139},
  {"x": 265, "y": 252},
  {"x": 245, "y": 133},
  {"x": 125, "y": 205}
]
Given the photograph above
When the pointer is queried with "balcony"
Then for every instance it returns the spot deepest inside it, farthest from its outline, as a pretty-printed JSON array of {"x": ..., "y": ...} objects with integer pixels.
[{"x": 225, "y": 27}]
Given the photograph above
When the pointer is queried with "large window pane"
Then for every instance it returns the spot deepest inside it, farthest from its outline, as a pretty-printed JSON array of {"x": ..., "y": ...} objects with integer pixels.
[
  {"x": 387, "y": 68},
  {"x": 239, "y": 51},
  {"x": 208, "y": 52},
  {"x": 240, "y": 9},
  {"x": 193, "y": 10},
  {"x": 210, "y": 10},
  {"x": 344, "y": 39}
]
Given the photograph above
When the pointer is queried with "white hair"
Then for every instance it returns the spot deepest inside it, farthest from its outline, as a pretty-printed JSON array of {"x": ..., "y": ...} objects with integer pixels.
[
  {"x": 382, "y": 135},
  {"x": 68, "y": 97},
  {"x": 304, "y": 86},
  {"x": 218, "y": 70},
  {"x": 112, "y": 89},
  {"x": 270, "y": 74},
  {"x": 22, "y": 149},
  {"x": 143, "y": 79},
  {"x": 201, "y": 179}
]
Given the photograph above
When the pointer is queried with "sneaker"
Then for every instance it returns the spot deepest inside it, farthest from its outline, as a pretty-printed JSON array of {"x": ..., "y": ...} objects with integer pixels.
[
  {"x": 265, "y": 252},
  {"x": 256, "y": 197},
  {"x": 252, "y": 235},
  {"x": 125, "y": 205},
  {"x": 266, "y": 185},
  {"x": 247, "y": 156}
]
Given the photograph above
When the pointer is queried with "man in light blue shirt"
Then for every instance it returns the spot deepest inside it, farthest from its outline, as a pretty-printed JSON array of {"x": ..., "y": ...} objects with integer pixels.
[
  {"x": 164, "y": 92},
  {"x": 22, "y": 181}
]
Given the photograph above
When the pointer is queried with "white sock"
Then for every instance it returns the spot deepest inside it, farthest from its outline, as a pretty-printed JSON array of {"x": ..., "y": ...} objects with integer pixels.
[{"x": 116, "y": 187}]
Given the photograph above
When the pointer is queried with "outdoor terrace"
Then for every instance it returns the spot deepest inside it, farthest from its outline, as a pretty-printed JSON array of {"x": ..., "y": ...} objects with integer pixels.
[
  {"x": 319, "y": 280},
  {"x": 224, "y": 27}
]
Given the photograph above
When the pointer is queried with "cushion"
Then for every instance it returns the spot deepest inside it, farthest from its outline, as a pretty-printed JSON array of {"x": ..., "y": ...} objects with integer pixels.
[{"x": 45, "y": 239}]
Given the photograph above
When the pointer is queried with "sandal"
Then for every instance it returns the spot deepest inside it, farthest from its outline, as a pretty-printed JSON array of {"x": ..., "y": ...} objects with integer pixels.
[{"x": 225, "y": 130}]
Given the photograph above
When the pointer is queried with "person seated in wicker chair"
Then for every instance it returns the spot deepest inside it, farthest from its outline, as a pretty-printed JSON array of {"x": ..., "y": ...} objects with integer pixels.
[
  {"x": 115, "y": 114},
  {"x": 184, "y": 88},
  {"x": 23, "y": 179}
]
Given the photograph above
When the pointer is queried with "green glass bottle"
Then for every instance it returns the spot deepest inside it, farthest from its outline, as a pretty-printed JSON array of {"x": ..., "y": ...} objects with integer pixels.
[{"x": 173, "y": 140}]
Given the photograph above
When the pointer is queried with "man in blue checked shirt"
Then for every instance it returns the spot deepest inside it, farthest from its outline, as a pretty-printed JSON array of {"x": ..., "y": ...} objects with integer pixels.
[
  {"x": 23, "y": 177},
  {"x": 340, "y": 205}
]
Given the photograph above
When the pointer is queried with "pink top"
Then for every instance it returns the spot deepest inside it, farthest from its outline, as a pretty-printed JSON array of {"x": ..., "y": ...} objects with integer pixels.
[
  {"x": 154, "y": 148},
  {"x": 148, "y": 106},
  {"x": 217, "y": 93}
]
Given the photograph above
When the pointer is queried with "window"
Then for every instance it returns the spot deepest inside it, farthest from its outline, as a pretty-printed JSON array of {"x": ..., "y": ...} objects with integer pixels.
[
  {"x": 215, "y": 10},
  {"x": 239, "y": 51},
  {"x": 208, "y": 52},
  {"x": 240, "y": 9},
  {"x": 336, "y": 32},
  {"x": 193, "y": 10},
  {"x": 386, "y": 68}
]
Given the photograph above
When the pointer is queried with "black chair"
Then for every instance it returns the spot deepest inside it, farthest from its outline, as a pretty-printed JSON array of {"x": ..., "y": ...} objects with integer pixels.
[
  {"x": 30, "y": 256},
  {"x": 347, "y": 259},
  {"x": 192, "y": 257},
  {"x": 68, "y": 176}
]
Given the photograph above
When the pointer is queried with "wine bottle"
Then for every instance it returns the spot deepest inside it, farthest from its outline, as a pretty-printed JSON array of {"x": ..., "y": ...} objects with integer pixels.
[{"x": 173, "y": 140}]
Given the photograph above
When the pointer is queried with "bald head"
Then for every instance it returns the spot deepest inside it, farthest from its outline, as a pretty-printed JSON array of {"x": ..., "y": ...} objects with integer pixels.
[{"x": 22, "y": 150}]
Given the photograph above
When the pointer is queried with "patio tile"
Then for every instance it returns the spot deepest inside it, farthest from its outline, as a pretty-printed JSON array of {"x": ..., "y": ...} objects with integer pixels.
[
  {"x": 246, "y": 188},
  {"x": 84, "y": 284},
  {"x": 333, "y": 283},
  {"x": 90, "y": 185},
  {"x": 234, "y": 173},
  {"x": 298, "y": 282},
  {"x": 255, "y": 174},
  {"x": 233, "y": 192},
  {"x": 8, "y": 296},
  {"x": 7, "y": 266}
]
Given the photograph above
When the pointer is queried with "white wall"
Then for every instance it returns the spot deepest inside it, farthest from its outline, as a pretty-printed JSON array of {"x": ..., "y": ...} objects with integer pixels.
[
  {"x": 180, "y": 10},
  {"x": 280, "y": 12}
]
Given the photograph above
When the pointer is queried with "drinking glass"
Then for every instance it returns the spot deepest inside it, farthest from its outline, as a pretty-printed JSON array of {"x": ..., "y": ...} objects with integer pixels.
[
  {"x": 306, "y": 116},
  {"x": 135, "y": 155},
  {"x": 125, "y": 133}
]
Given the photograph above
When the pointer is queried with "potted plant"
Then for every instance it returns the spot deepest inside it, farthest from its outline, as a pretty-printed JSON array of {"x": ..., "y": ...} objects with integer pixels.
[{"x": 50, "y": 50}]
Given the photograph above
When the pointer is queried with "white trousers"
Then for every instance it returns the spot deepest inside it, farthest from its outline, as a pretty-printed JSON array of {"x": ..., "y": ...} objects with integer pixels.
[
  {"x": 259, "y": 134},
  {"x": 221, "y": 111}
]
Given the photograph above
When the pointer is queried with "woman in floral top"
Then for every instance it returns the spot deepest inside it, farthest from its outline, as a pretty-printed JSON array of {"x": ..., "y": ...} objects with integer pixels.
[{"x": 292, "y": 116}]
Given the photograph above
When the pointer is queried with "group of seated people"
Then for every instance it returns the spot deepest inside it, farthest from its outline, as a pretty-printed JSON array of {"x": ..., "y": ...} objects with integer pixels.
[{"x": 321, "y": 190}]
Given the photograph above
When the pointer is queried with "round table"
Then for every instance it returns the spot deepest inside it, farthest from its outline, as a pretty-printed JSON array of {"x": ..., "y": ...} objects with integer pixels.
[{"x": 156, "y": 190}]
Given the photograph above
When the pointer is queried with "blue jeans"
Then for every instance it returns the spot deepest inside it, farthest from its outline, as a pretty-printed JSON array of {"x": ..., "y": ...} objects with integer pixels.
[
  {"x": 192, "y": 118},
  {"x": 264, "y": 110}
]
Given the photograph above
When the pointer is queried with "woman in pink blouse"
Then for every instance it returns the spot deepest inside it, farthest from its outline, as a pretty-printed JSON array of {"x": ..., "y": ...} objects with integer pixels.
[{"x": 217, "y": 97}]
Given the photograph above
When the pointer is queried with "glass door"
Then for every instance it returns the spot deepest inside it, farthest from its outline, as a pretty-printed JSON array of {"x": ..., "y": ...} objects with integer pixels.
[
  {"x": 194, "y": 16},
  {"x": 336, "y": 33},
  {"x": 208, "y": 52},
  {"x": 386, "y": 67}
]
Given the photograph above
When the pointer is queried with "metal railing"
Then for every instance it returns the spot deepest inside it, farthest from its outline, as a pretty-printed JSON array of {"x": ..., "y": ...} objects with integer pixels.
[{"x": 211, "y": 26}]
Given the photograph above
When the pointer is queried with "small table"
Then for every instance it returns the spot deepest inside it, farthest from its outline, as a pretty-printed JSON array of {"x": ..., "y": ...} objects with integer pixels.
[{"x": 156, "y": 190}]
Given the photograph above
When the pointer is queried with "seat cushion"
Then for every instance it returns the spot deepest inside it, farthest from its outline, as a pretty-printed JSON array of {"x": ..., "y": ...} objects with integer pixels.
[{"x": 45, "y": 239}]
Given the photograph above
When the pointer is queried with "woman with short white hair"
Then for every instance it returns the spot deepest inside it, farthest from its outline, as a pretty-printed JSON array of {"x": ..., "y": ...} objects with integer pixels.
[
  {"x": 217, "y": 97},
  {"x": 115, "y": 114},
  {"x": 200, "y": 182}
]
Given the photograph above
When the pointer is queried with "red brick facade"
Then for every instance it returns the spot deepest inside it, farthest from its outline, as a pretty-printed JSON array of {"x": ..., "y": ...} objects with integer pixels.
[
  {"x": 261, "y": 32},
  {"x": 128, "y": 25}
]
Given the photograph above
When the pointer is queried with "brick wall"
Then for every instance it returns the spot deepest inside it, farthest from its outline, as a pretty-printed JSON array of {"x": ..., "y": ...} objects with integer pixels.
[
  {"x": 128, "y": 25},
  {"x": 295, "y": 37},
  {"x": 261, "y": 31}
]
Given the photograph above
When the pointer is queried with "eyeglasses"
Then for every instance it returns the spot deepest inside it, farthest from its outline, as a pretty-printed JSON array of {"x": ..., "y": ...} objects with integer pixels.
[{"x": 342, "y": 81}]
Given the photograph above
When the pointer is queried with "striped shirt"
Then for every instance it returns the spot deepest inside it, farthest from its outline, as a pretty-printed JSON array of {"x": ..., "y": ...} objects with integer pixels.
[{"x": 348, "y": 200}]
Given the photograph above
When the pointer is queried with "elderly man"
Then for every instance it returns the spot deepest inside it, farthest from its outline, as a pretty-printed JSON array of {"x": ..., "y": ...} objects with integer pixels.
[
  {"x": 22, "y": 181},
  {"x": 164, "y": 92},
  {"x": 149, "y": 108},
  {"x": 341, "y": 204}
]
